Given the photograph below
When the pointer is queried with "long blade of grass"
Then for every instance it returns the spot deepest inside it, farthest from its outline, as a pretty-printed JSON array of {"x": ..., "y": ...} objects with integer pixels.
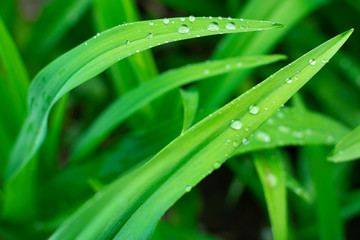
[
  {"x": 93, "y": 57},
  {"x": 329, "y": 223},
  {"x": 348, "y": 148},
  {"x": 132, "y": 205},
  {"x": 123, "y": 107},
  {"x": 271, "y": 172},
  {"x": 16, "y": 74}
]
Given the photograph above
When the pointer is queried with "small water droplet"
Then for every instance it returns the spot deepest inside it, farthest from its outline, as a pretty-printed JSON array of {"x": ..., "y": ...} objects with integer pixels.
[
  {"x": 236, "y": 124},
  {"x": 85, "y": 44},
  {"x": 312, "y": 62},
  {"x": 206, "y": 71},
  {"x": 263, "y": 136},
  {"x": 191, "y": 18},
  {"x": 239, "y": 64},
  {"x": 166, "y": 20},
  {"x": 284, "y": 129},
  {"x": 213, "y": 26},
  {"x": 308, "y": 131},
  {"x": 182, "y": 19},
  {"x": 183, "y": 28},
  {"x": 216, "y": 165},
  {"x": 230, "y": 26},
  {"x": 188, "y": 188},
  {"x": 220, "y": 18},
  {"x": 149, "y": 35},
  {"x": 253, "y": 109},
  {"x": 324, "y": 61},
  {"x": 298, "y": 134},
  {"x": 127, "y": 42},
  {"x": 138, "y": 50},
  {"x": 288, "y": 80},
  {"x": 151, "y": 23},
  {"x": 235, "y": 144},
  {"x": 241, "y": 19},
  {"x": 330, "y": 139},
  {"x": 245, "y": 141},
  {"x": 271, "y": 179},
  {"x": 227, "y": 66}
]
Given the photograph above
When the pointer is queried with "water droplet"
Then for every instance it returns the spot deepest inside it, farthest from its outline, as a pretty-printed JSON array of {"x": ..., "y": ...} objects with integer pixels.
[
  {"x": 213, "y": 26},
  {"x": 183, "y": 28},
  {"x": 149, "y": 35},
  {"x": 288, "y": 80},
  {"x": 262, "y": 136},
  {"x": 191, "y": 18},
  {"x": 85, "y": 44},
  {"x": 236, "y": 124},
  {"x": 239, "y": 64},
  {"x": 271, "y": 179},
  {"x": 230, "y": 26},
  {"x": 151, "y": 23},
  {"x": 298, "y": 134},
  {"x": 308, "y": 131},
  {"x": 216, "y": 165},
  {"x": 330, "y": 139},
  {"x": 98, "y": 34},
  {"x": 283, "y": 129},
  {"x": 188, "y": 188},
  {"x": 227, "y": 66},
  {"x": 206, "y": 71},
  {"x": 127, "y": 42},
  {"x": 312, "y": 62},
  {"x": 138, "y": 50},
  {"x": 253, "y": 109},
  {"x": 166, "y": 20},
  {"x": 220, "y": 18},
  {"x": 325, "y": 61},
  {"x": 235, "y": 144},
  {"x": 245, "y": 141},
  {"x": 182, "y": 19},
  {"x": 241, "y": 19}
]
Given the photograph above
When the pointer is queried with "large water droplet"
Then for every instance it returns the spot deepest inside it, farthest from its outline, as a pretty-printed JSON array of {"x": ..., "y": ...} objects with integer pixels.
[
  {"x": 236, "y": 124},
  {"x": 166, "y": 20},
  {"x": 312, "y": 62},
  {"x": 183, "y": 28},
  {"x": 230, "y": 26},
  {"x": 149, "y": 35},
  {"x": 253, "y": 109},
  {"x": 191, "y": 18},
  {"x": 213, "y": 26}
]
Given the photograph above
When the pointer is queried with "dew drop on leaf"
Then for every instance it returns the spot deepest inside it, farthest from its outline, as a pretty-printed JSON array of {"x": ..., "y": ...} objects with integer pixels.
[
  {"x": 206, "y": 71},
  {"x": 216, "y": 165},
  {"x": 271, "y": 179},
  {"x": 183, "y": 28},
  {"x": 288, "y": 80},
  {"x": 245, "y": 141},
  {"x": 188, "y": 188},
  {"x": 127, "y": 42},
  {"x": 236, "y": 124},
  {"x": 213, "y": 26},
  {"x": 149, "y": 35},
  {"x": 253, "y": 109},
  {"x": 166, "y": 20},
  {"x": 312, "y": 62},
  {"x": 191, "y": 18},
  {"x": 230, "y": 26},
  {"x": 262, "y": 136}
]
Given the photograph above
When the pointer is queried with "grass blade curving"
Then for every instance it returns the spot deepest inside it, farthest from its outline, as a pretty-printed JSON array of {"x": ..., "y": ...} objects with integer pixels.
[
  {"x": 132, "y": 205},
  {"x": 124, "y": 106},
  {"x": 348, "y": 148},
  {"x": 93, "y": 57}
]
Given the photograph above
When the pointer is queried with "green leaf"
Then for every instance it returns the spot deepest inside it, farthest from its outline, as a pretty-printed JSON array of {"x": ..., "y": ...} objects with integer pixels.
[
  {"x": 291, "y": 126},
  {"x": 124, "y": 106},
  {"x": 190, "y": 99},
  {"x": 271, "y": 172},
  {"x": 132, "y": 204},
  {"x": 93, "y": 57},
  {"x": 299, "y": 190},
  {"x": 347, "y": 148},
  {"x": 57, "y": 18}
]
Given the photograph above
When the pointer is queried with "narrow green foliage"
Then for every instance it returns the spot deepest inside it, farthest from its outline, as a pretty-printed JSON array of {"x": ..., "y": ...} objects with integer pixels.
[
  {"x": 271, "y": 172},
  {"x": 347, "y": 148},
  {"x": 132, "y": 204},
  {"x": 124, "y": 106}
]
